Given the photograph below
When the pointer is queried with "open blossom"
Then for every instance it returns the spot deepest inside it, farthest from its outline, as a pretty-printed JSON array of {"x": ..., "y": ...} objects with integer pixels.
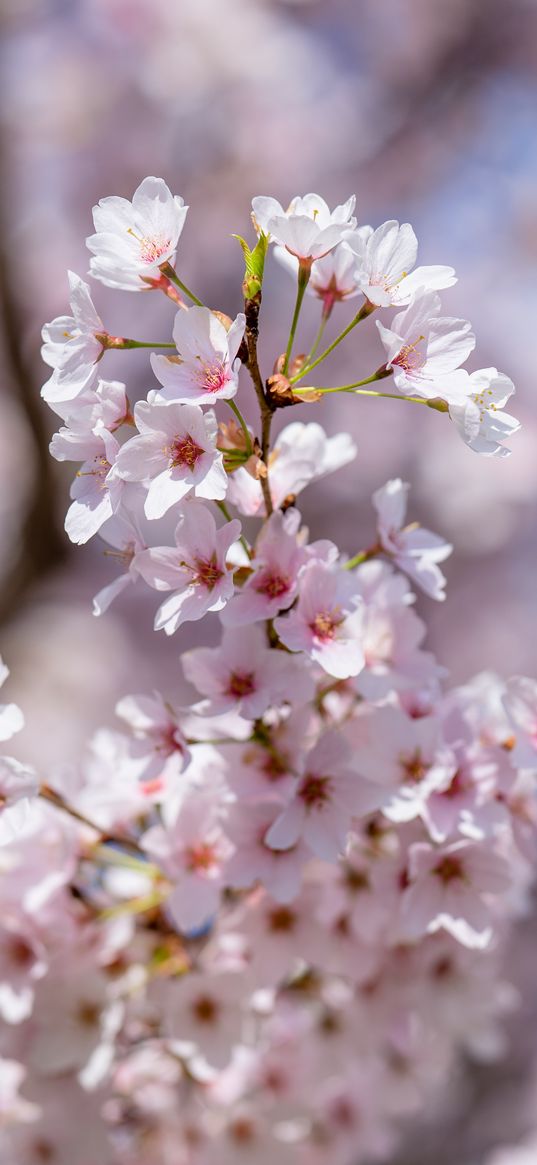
[
  {"x": 195, "y": 569},
  {"x": 327, "y": 622},
  {"x": 244, "y": 673},
  {"x": 158, "y": 747},
  {"x": 122, "y": 534},
  {"x": 192, "y": 850},
  {"x": 480, "y": 419},
  {"x": 450, "y": 888},
  {"x": 133, "y": 239},
  {"x": 414, "y": 549},
  {"x": 301, "y": 454},
  {"x": 103, "y": 407},
  {"x": 205, "y": 1013},
  {"x": 326, "y": 797},
  {"x": 272, "y": 586},
  {"x": 384, "y": 262},
  {"x": 254, "y": 860},
  {"x": 425, "y": 350},
  {"x": 96, "y": 491},
  {"x": 404, "y": 756},
  {"x": 207, "y": 368},
  {"x": 71, "y": 345},
  {"x": 175, "y": 452},
  {"x": 308, "y": 228}
]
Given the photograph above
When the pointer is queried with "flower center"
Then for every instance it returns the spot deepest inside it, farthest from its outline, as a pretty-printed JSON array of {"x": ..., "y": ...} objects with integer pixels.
[
  {"x": 410, "y": 358},
  {"x": 205, "y": 1009},
  {"x": 152, "y": 247},
  {"x": 241, "y": 684},
  {"x": 200, "y": 857},
  {"x": 325, "y": 624},
  {"x": 212, "y": 377},
  {"x": 315, "y": 791},
  {"x": 450, "y": 869},
  {"x": 185, "y": 452},
  {"x": 271, "y": 585},
  {"x": 208, "y": 572},
  {"x": 282, "y": 919},
  {"x": 414, "y": 767}
]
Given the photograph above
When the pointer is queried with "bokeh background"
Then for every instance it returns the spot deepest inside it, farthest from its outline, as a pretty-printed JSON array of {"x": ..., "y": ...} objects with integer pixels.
[{"x": 427, "y": 110}]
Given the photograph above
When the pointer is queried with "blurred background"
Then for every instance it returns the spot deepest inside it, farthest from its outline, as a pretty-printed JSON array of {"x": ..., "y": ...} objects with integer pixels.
[{"x": 428, "y": 112}]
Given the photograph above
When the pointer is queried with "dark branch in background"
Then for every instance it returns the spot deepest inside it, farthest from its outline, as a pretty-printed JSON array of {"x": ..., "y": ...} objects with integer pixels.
[{"x": 41, "y": 545}]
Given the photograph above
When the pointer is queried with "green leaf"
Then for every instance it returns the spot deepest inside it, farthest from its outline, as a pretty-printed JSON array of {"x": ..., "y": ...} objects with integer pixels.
[{"x": 254, "y": 264}]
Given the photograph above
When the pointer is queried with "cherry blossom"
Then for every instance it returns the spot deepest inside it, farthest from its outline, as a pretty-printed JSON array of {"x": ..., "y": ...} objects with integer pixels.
[
  {"x": 425, "y": 350},
  {"x": 175, "y": 452},
  {"x": 326, "y": 797},
  {"x": 308, "y": 229},
  {"x": 480, "y": 419},
  {"x": 448, "y": 889},
  {"x": 207, "y": 368},
  {"x": 195, "y": 570},
  {"x": 134, "y": 239},
  {"x": 243, "y": 673},
  {"x": 327, "y": 621},
  {"x": 414, "y": 549},
  {"x": 71, "y": 345},
  {"x": 385, "y": 259},
  {"x": 192, "y": 851},
  {"x": 301, "y": 454}
]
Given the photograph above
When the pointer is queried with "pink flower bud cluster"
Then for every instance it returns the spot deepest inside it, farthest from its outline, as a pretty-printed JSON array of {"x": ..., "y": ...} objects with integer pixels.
[{"x": 262, "y": 926}]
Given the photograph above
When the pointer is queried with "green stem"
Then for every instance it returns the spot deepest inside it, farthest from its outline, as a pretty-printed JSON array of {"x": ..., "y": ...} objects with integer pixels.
[
  {"x": 234, "y": 408},
  {"x": 356, "y": 386},
  {"x": 318, "y": 338},
  {"x": 224, "y": 510},
  {"x": 362, "y": 556},
  {"x": 169, "y": 272},
  {"x": 303, "y": 280},
  {"x": 365, "y": 311},
  {"x": 121, "y": 342}
]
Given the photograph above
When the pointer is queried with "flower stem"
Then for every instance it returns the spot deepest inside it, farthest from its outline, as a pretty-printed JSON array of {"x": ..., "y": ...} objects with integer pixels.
[
  {"x": 169, "y": 272},
  {"x": 365, "y": 311},
  {"x": 224, "y": 510},
  {"x": 304, "y": 272},
  {"x": 318, "y": 338},
  {"x": 362, "y": 556},
  {"x": 243, "y": 425},
  {"x": 121, "y": 342}
]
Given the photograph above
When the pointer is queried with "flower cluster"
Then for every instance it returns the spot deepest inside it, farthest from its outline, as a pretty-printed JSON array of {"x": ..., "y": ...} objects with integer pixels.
[{"x": 265, "y": 923}]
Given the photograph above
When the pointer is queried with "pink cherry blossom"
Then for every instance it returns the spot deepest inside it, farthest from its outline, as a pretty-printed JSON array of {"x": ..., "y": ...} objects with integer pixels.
[
  {"x": 414, "y": 549},
  {"x": 301, "y": 454},
  {"x": 326, "y": 797},
  {"x": 308, "y": 229},
  {"x": 244, "y": 673},
  {"x": 425, "y": 350},
  {"x": 195, "y": 570},
  {"x": 327, "y": 622},
  {"x": 192, "y": 851},
  {"x": 71, "y": 346},
  {"x": 175, "y": 453},
  {"x": 208, "y": 367},
  {"x": 480, "y": 419},
  {"x": 134, "y": 239},
  {"x": 450, "y": 887},
  {"x": 384, "y": 262}
]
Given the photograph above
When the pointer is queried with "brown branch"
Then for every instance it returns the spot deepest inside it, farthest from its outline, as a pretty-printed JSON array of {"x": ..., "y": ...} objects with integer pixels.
[{"x": 251, "y": 309}]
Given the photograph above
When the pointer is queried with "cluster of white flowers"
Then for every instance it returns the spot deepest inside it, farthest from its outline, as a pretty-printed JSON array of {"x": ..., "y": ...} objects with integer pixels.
[{"x": 266, "y": 923}]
